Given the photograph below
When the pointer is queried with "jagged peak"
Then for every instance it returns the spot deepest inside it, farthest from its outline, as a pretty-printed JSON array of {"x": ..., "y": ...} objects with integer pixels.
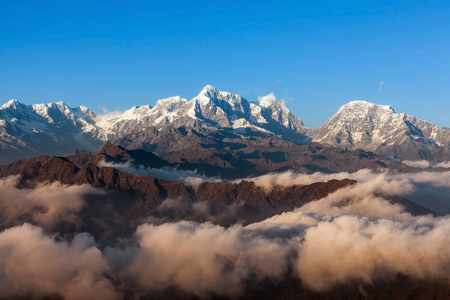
[
  {"x": 209, "y": 88},
  {"x": 57, "y": 103},
  {"x": 135, "y": 112},
  {"x": 85, "y": 110},
  {"x": 211, "y": 92},
  {"x": 170, "y": 102},
  {"x": 13, "y": 103},
  {"x": 208, "y": 92},
  {"x": 211, "y": 95},
  {"x": 364, "y": 106}
]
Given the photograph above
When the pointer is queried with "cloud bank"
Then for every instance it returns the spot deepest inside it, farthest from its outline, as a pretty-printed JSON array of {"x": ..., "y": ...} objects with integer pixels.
[
  {"x": 426, "y": 164},
  {"x": 32, "y": 263},
  {"x": 45, "y": 204},
  {"x": 353, "y": 235},
  {"x": 203, "y": 258},
  {"x": 187, "y": 177},
  {"x": 429, "y": 189}
]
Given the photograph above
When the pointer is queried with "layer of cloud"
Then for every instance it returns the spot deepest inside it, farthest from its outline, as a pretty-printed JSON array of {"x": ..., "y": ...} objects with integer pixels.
[
  {"x": 269, "y": 100},
  {"x": 353, "y": 235},
  {"x": 172, "y": 210},
  {"x": 425, "y": 164},
  {"x": 32, "y": 263},
  {"x": 357, "y": 248},
  {"x": 203, "y": 258},
  {"x": 206, "y": 259},
  {"x": 323, "y": 251},
  {"x": 429, "y": 189},
  {"x": 45, "y": 204},
  {"x": 187, "y": 177}
]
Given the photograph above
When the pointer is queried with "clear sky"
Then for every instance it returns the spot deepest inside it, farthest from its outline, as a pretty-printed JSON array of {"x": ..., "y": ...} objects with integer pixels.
[{"x": 317, "y": 55}]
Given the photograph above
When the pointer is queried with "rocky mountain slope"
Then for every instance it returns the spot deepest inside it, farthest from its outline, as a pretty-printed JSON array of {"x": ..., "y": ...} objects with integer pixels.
[
  {"x": 377, "y": 128},
  {"x": 263, "y": 156},
  {"x": 132, "y": 199},
  {"x": 211, "y": 108},
  {"x": 175, "y": 125},
  {"x": 53, "y": 128}
]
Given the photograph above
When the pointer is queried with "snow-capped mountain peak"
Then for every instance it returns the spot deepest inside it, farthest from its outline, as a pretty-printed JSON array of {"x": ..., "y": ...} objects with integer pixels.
[
  {"x": 12, "y": 104},
  {"x": 170, "y": 104},
  {"x": 357, "y": 124},
  {"x": 361, "y": 107},
  {"x": 378, "y": 128},
  {"x": 210, "y": 95},
  {"x": 211, "y": 108},
  {"x": 207, "y": 89}
]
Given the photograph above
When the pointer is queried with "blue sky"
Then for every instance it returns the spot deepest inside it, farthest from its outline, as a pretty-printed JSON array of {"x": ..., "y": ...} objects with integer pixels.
[{"x": 317, "y": 55}]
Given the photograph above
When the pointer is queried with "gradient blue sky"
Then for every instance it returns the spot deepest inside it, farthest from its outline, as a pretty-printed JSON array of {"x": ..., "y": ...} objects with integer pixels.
[{"x": 318, "y": 55}]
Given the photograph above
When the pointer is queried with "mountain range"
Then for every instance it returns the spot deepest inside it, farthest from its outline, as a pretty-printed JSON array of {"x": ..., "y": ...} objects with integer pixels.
[
  {"x": 176, "y": 125},
  {"x": 216, "y": 179}
]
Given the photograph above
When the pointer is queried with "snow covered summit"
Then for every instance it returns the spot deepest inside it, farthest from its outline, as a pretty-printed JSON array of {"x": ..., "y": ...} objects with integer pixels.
[
  {"x": 378, "y": 128},
  {"x": 210, "y": 108},
  {"x": 57, "y": 129}
]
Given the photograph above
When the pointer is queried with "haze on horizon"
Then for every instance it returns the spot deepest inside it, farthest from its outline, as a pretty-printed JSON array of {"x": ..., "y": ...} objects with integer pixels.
[{"x": 315, "y": 55}]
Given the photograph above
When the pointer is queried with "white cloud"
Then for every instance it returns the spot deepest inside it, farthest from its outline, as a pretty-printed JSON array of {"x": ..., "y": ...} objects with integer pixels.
[
  {"x": 352, "y": 234},
  {"x": 269, "y": 100},
  {"x": 191, "y": 178},
  {"x": 46, "y": 204},
  {"x": 425, "y": 164},
  {"x": 204, "y": 258},
  {"x": 32, "y": 263}
]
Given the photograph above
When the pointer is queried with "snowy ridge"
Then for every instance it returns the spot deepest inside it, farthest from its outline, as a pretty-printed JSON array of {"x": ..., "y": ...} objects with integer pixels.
[
  {"x": 378, "y": 128},
  {"x": 55, "y": 128},
  {"x": 45, "y": 128},
  {"x": 210, "y": 108}
]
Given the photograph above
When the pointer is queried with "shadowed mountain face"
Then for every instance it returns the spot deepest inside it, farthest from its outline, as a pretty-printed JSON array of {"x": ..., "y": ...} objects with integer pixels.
[
  {"x": 259, "y": 157},
  {"x": 133, "y": 199},
  {"x": 231, "y": 158}
]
